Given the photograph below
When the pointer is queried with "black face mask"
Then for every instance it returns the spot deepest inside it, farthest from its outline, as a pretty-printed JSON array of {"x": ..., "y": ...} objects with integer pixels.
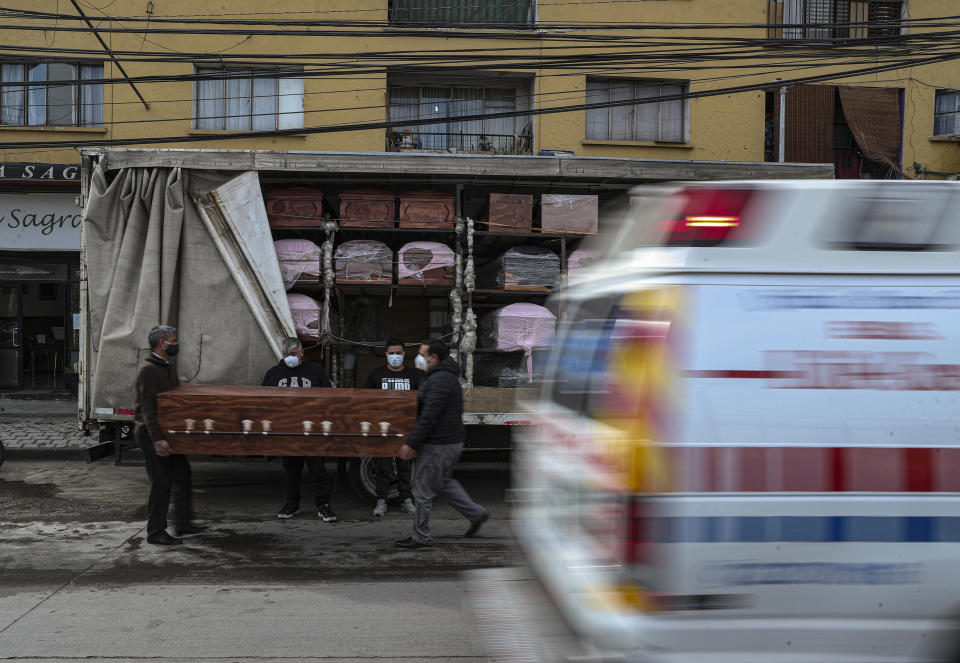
[{"x": 172, "y": 350}]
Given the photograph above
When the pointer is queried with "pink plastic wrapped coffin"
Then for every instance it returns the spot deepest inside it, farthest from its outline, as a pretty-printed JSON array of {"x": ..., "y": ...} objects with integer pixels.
[
  {"x": 306, "y": 314},
  {"x": 417, "y": 258},
  {"x": 519, "y": 327},
  {"x": 298, "y": 258},
  {"x": 579, "y": 262}
]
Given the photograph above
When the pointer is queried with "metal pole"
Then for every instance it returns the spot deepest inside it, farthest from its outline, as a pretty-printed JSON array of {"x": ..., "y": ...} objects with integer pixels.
[{"x": 782, "y": 149}]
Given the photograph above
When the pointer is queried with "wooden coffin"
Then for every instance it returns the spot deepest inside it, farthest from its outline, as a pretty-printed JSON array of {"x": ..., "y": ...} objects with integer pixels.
[
  {"x": 427, "y": 209},
  {"x": 295, "y": 207},
  {"x": 563, "y": 213},
  {"x": 508, "y": 212},
  {"x": 443, "y": 276},
  {"x": 286, "y": 409},
  {"x": 368, "y": 208}
]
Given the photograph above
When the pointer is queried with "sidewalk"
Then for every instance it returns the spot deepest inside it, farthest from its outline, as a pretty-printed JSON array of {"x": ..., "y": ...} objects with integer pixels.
[{"x": 47, "y": 425}]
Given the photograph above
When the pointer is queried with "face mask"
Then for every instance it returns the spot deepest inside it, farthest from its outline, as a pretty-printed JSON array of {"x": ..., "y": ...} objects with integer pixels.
[
  {"x": 395, "y": 361},
  {"x": 173, "y": 349},
  {"x": 420, "y": 362},
  {"x": 292, "y": 361}
]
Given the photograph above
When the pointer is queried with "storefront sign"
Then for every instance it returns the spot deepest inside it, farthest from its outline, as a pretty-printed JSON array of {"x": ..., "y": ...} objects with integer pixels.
[
  {"x": 39, "y": 222},
  {"x": 40, "y": 172}
]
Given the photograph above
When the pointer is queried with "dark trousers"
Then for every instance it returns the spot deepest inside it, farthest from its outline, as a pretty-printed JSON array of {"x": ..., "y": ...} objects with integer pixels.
[
  {"x": 168, "y": 474},
  {"x": 384, "y": 471},
  {"x": 292, "y": 472}
]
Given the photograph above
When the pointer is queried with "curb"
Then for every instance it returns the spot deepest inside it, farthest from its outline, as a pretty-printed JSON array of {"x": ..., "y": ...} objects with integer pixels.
[{"x": 88, "y": 454}]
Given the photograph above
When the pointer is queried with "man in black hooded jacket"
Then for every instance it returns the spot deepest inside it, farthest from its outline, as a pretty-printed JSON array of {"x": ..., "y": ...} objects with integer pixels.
[
  {"x": 437, "y": 442},
  {"x": 297, "y": 371}
]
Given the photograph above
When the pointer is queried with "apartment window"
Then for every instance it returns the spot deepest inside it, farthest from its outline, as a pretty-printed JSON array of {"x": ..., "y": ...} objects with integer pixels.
[
  {"x": 50, "y": 94},
  {"x": 946, "y": 113},
  {"x": 816, "y": 19},
  {"x": 832, "y": 19},
  {"x": 255, "y": 100},
  {"x": 461, "y": 12},
  {"x": 659, "y": 121},
  {"x": 503, "y": 134}
]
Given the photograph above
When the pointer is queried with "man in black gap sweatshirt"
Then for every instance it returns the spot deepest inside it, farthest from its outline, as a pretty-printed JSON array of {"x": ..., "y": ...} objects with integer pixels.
[
  {"x": 297, "y": 371},
  {"x": 393, "y": 376}
]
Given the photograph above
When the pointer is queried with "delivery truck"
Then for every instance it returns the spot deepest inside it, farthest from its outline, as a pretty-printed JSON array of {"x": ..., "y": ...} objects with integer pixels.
[{"x": 240, "y": 249}]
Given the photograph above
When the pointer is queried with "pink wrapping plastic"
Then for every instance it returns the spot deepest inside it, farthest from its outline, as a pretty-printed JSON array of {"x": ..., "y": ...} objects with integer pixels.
[
  {"x": 297, "y": 257},
  {"x": 578, "y": 262},
  {"x": 306, "y": 314},
  {"x": 416, "y": 258},
  {"x": 519, "y": 327}
]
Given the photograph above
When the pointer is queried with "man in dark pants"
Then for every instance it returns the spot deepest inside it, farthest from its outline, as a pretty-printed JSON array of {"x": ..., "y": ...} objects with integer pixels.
[
  {"x": 437, "y": 442},
  {"x": 397, "y": 377},
  {"x": 166, "y": 470},
  {"x": 297, "y": 371}
]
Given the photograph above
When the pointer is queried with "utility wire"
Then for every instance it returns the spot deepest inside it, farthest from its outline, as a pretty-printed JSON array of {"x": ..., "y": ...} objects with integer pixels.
[{"x": 362, "y": 126}]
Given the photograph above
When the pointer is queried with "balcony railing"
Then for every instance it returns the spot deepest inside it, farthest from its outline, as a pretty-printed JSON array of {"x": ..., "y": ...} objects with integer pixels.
[
  {"x": 411, "y": 141},
  {"x": 461, "y": 12}
]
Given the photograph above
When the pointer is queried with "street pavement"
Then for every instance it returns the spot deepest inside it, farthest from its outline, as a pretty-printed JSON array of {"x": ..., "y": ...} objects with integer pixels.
[
  {"x": 78, "y": 581},
  {"x": 47, "y": 425}
]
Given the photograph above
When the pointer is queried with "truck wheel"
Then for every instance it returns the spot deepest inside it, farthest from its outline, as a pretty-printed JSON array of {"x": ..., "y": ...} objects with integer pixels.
[
  {"x": 362, "y": 475},
  {"x": 1, "y": 452}
]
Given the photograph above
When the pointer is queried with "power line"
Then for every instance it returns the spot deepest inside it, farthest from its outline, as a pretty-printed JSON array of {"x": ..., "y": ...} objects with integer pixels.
[{"x": 362, "y": 126}]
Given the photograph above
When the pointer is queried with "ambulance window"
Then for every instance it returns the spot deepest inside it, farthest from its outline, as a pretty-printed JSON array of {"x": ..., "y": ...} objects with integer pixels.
[
  {"x": 582, "y": 353},
  {"x": 897, "y": 219}
]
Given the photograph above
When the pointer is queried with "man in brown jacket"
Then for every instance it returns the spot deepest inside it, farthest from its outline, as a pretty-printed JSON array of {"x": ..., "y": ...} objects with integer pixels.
[{"x": 165, "y": 469}]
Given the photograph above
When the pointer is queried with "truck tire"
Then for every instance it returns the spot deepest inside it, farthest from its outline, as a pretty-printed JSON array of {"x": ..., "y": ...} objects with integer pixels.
[
  {"x": 363, "y": 480},
  {"x": 1, "y": 452}
]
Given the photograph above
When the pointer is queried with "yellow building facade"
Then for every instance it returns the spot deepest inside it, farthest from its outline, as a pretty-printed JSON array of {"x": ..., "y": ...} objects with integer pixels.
[{"x": 373, "y": 62}]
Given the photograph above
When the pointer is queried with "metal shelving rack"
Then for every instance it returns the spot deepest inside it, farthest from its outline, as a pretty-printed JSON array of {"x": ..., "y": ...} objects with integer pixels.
[{"x": 465, "y": 299}]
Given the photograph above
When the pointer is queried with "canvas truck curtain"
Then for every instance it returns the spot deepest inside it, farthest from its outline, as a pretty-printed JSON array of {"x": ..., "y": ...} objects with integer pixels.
[
  {"x": 151, "y": 260},
  {"x": 873, "y": 115}
]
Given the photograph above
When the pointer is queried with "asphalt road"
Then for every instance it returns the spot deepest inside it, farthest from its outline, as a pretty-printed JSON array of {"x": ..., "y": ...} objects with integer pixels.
[{"x": 78, "y": 581}]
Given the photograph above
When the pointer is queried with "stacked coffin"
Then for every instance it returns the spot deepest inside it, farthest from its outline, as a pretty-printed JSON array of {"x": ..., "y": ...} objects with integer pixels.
[
  {"x": 578, "y": 263},
  {"x": 510, "y": 212},
  {"x": 306, "y": 315},
  {"x": 299, "y": 261},
  {"x": 427, "y": 209},
  {"x": 368, "y": 208},
  {"x": 518, "y": 327},
  {"x": 522, "y": 268},
  {"x": 425, "y": 263},
  {"x": 296, "y": 207},
  {"x": 566, "y": 213},
  {"x": 363, "y": 262}
]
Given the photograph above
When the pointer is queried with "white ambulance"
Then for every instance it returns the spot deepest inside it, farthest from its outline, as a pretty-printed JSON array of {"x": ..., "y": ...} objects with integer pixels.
[{"x": 748, "y": 445}]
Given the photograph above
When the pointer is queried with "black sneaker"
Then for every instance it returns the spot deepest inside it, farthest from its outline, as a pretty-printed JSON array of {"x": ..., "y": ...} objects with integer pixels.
[
  {"x": 326, "y": 513},
  {"x": 287, "y": 511}
]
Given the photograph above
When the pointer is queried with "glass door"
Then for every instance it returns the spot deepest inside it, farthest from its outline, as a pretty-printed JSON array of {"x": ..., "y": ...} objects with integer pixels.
[{"x": 11, "y": 336}]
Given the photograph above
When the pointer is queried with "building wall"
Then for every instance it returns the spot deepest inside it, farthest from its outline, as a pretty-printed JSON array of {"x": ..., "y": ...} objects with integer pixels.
[{"x": 723, "y": 127}]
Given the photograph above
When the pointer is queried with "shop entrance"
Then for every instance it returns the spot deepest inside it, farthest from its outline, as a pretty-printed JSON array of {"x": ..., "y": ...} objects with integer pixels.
[{"x": 37, "y": 344}]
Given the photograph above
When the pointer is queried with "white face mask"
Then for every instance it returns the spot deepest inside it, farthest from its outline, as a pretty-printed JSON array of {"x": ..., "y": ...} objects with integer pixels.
[
  {"x": 395, "y": 361},
  {"x": 292, "y": 361},
  {"x": 420, "y": 362}
]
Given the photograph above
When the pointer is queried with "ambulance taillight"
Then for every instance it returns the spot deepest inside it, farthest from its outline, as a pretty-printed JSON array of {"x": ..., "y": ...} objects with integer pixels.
[{"x": 709, "y": 217}]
